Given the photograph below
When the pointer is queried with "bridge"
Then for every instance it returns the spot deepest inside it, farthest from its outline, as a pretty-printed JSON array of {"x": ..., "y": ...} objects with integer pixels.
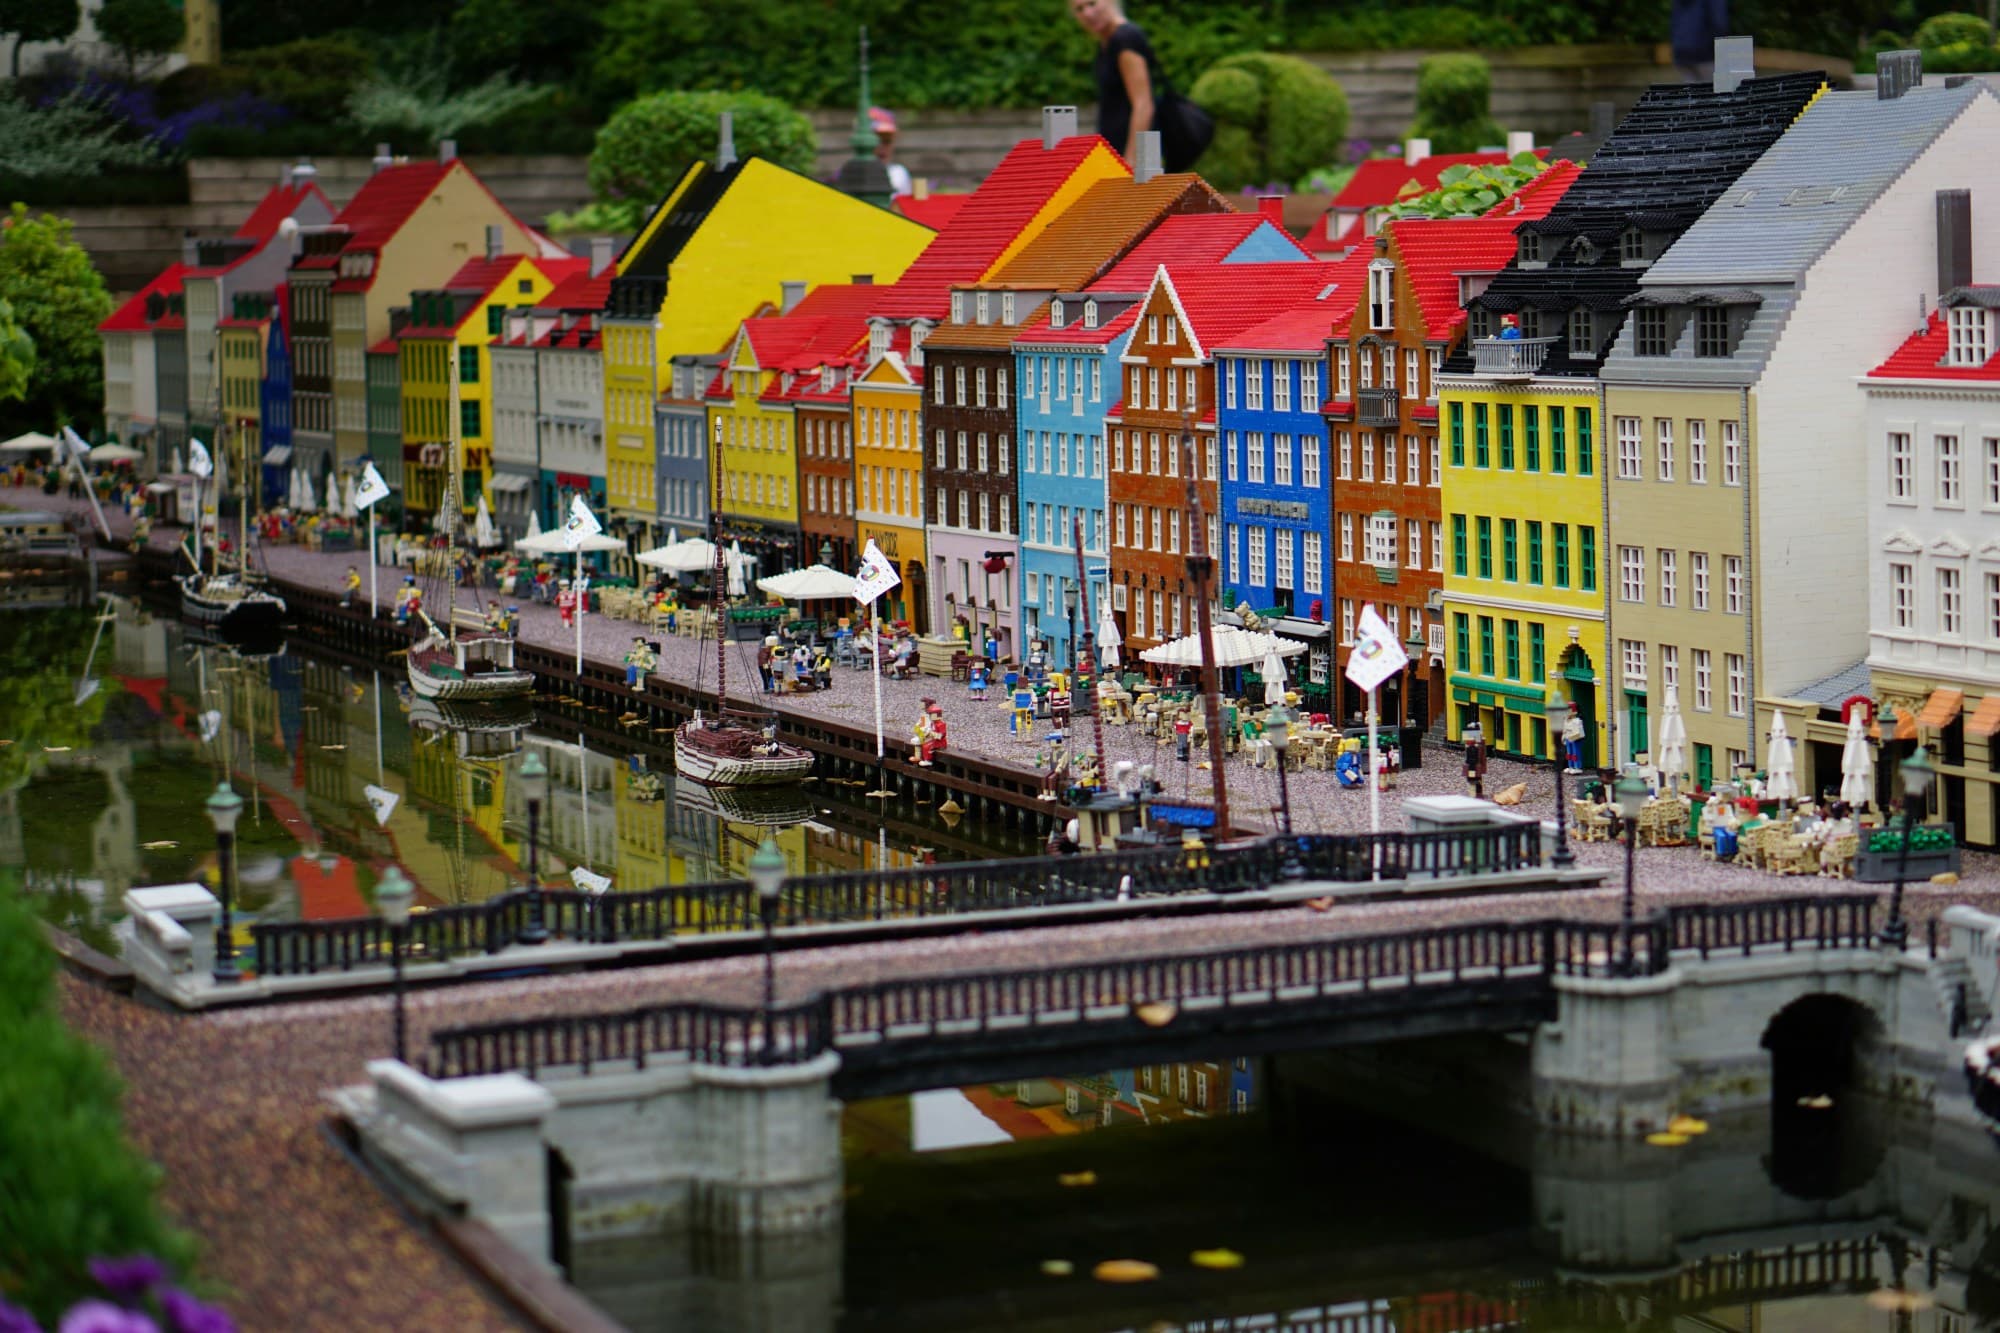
[{"x": 719, "y": 1118}]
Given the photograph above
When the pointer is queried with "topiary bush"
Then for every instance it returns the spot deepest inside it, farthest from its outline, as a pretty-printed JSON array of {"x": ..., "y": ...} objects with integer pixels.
[
  {"x": 1941, "y": 30},
  {"x": 1454, "y": 104},
  {"x": 649, "y": 142},
  {"x": 1276, "y": 118}
]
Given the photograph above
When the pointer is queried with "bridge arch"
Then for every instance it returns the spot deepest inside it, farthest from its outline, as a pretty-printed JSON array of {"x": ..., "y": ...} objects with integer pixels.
[{"x": 1823, "y": 1143}]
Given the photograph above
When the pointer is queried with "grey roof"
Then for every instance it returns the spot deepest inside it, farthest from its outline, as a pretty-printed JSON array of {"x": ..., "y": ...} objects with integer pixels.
[
  {"x": 1841, "y": 686},
  {"x": 1979, "y": 295},
  {"x": 1796, "y": 201}
]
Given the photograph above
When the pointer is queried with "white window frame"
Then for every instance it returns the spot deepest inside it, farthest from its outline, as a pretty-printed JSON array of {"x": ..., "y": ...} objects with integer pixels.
[
  {"x": 1733, "y": 589},
  {"x": 1629, "y": 449},
  {"x": 1697, "y": 451},
  {"x": 1632, "y": 574},
  {"x": 1902, "y": 595},
  {"x": 1663, "y": 442},
  {"x": 1950, "y": 584},
  {"x": 1732, "y": 453},
  {"x": 1704, "y": 681},
  {"x": 1737, "y": 674},
  {"x": 1669, "y": 561},
  {"x": 1950, "y": 474},
  {"x": 1698, "y": 575},
  {"x": 1315, "y": 555}
]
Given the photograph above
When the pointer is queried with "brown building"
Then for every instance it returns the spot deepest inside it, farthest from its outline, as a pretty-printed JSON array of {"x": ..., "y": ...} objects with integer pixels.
[{"x": 826, "y": 470}]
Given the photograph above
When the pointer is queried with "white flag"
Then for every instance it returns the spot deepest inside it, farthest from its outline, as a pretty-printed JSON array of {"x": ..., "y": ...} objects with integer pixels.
[
  {"x": 876, "y": 576},
  {"x": 372, "y": 487},
  {"x": 589, "y": 880},
  {"x": 76, "y": 443},
  {"x": 382, "y": 801},
  {"x": 1377, "y": 653},
  {"x": 581, "y": 523},
  {"x": 209, "y": 724},
  {"x": 199, "y": 462}
]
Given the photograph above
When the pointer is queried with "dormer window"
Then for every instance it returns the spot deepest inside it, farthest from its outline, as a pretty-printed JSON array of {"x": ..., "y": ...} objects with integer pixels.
[
  {"x": 918, "y": 332},
  {"x": 826, "y": 379},
  {"x": 1381, "y": 295},
  {"x": 878, "y": 341},
  {"x": 1970, "y": 336},
  {"x": 1632, "y": 248},
  {"x": 1651, "y": 334},
  {"x": 984, "y": 312},
  {"x": 1006, "y": 307},
  {"x": 1089, "y": 313},
  {"x": 1479, "y": 321},
  {"x": 1711, "y": 331},
  {"x": 1173, "y": 331},
  {"x": 1582, "y": 333},
  {"x": 958, "y": 307},
  {"x": 1056, "y": 314},
  {"x": 1530, "y": 248}
]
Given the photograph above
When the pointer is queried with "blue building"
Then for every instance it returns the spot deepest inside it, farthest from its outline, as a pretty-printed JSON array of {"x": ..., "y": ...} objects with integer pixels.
[
  {"x": 274, "y": 403},
  {"x": 1066, "y": 363},
  {"x": 680, "y": 469}
]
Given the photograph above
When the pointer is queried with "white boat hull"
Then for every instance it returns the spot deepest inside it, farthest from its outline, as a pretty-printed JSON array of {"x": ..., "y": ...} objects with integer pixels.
[
  {"x": 221, "y": 603},
  {"x": 706, "y": 766},
  {"x": 437, "y": 671}
]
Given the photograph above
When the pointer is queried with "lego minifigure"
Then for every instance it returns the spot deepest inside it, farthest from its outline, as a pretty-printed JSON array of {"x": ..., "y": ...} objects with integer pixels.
[
  {"x": 1052, "y": 764},
  {"x": 639, "y": 659},
  {"x": 1572, "y": 739},
  {"x": 1510, "y": 328},
  {"x": 1023, "y": 725},
  {"x": 1059, "y": 700},
  {"x": 409, "y": 600},
  {"x": 1183, "y": 737},
  {"x": 350, "y": 584},
  {"x": 1475, "y": 761},
  {"x": 566, "y": 605},
  {"x": 929, "y": 735},
  {"x": 975, "y": 681}
]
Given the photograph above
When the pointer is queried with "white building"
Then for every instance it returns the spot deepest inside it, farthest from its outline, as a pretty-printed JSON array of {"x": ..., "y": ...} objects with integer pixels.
[{"x": 517, "y": 428}]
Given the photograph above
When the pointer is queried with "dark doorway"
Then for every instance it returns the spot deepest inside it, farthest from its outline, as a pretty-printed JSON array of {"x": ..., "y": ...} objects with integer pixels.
[
  {"x": 560, "y": 1178},
  {"x": 1581, "y": 677},
  {"x": 1823, "y": 1140}
]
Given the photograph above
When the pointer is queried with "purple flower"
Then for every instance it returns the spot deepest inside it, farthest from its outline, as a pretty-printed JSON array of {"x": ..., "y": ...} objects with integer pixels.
[
  {"x": 13, "y": 1319},
  {"x": 128, "y": 1278},
  {"x": 189, "y": 1315},
  {"x": 104, "y": 1317}
]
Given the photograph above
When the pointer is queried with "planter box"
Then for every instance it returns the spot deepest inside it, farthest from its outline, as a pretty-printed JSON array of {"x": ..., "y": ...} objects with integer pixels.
[{"x": 1880, "y": 867}]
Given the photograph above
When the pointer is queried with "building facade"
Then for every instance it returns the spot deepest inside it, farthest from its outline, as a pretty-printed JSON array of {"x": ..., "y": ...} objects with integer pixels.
[
  {"x": 889, "y": 482},
  {"x": 686, "y": 485}
]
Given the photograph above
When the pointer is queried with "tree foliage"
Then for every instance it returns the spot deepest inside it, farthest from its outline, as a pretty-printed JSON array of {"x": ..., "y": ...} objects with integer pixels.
[
  {"x": 141, "y": 27},
  {"x": 1454, "y": 104},
  {"x": 1276, "y": 118},
  {"x": 58, "y": 299},
  {"x": 38, "y": 21},
  {"x": 17, "y": 355},
  {"x": 411, "y": 92},
  {"x": 648, "y": 143},
  {"x": 1464, "y": 192}
]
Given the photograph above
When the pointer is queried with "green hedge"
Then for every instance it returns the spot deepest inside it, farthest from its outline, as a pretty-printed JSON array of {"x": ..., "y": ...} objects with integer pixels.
[{"x": 168, "y": 185}]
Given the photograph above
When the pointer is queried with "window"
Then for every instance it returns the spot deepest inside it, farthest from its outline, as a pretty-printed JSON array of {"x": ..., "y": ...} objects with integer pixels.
[
  {"x": 1458, "y": 545},
  {"x": 1512, "y": 648},
  {"x": 1949, "y": 491},
  {"x": 1531, "y": 437},
  {"x": 1347, "y": 620},
  {"x": 958, "y": 386},
  {"x": 1347, "y": 536},
  {"x": 1486, "y": 645},
  {"x": 1257, "y": 543},
  {"x": 1586, "y": 559},
  {"x": 1505, "y": 411},
  {"x": 1281, "y": 386},
  {"x": 1538, "y": 652},
  {"x": 1231, "y": 452},
  {"x": 1663, "y": 439},
  {"x": 468, "y": 365},
  {"x": 468, "y": 417},
  {"x": 1314, "y": 562},
  {"x": 1732, "y": 584},
  {"x": 1698, "y": 565},
  {"x": 1586, "y": 457},
  {"x": 1173, "y": 391},
  {"x": 1253, "y": 386},
  {"x": 1732, "y": 453},
  {"x": 1669, "y": 576},
  {"x": 1510, "y": 565},
  {"x": 1281, "y": 460},
  {"x": 1457, "y": 411},
  {"x": 1437, "y": 547},
  {"x": 1582, "y": 333},
  {"x": 1412, "y": 461},
  {"x": 1230, "y": 369},
  {"x": 1413, "y": 544},
  {"x": 1284, "y": 570},
  {"x": 1389, "y": 369},
  {"x": 1096, "y": 382},
  {"x": 1309, "y": 461},
  {"x": 1704, "y": 697},
  {"x": 1559, "y": 534},
  {"x": 1991, "y": 486},
  {"x": 1341, "y": 374},
  {"x": 1631, "y": 574},
  {"x": 1969, "y": 337},
  {"x": 1309, "y": 386},
  {"x": 1253, "y": 444},
  {"x": 1558, "y": 447},
  {"x": 1437, "y": 473},
  {"x": 1632, "y": 657},
  {"x": 1903, "y": 594},
  {"x": 1381, "y": 295},
  {"x": 1697, "y": 451},
  {"x": 1173, "y": 531},
  {"x": 1154, "y": 520},
  {"x": 1711, "y": 331},
  {"x": 1739, "y": 683},
  {"x": 1346, "y": 455},
  {"x": 1382, "y": 540},
  {"x": 1481, "y": 453},
  {"x": 1628, "y": 448},
  {"x": 1649, "y": 336},
  {"x": 1368, "y": 455},
  {"x": 1411, "y": 384},
  {"x": 1993, "y": 607},
  {"x": 1534, "y": 551},
  {"x": 1461, "y": 629},
  {"x": 1485, "y": 529},
  {"x": 1951, "y": 601},
  {"x": 1670, "y": 667}
]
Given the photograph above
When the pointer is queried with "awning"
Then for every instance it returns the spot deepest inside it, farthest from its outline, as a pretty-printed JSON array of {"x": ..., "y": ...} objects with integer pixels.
[
  {"x": 279, "y": 456},
  {"x": 510, "y": 482},
  {"x": 1985, "y": 720},
  {"x": 160, "y": 487},
  {"x": 1941, "y": 708},
  {"x": 1297, "y": 628}
]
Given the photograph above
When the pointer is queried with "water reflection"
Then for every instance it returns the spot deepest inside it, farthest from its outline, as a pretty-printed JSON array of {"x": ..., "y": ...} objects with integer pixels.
[{"x": 343, "y": 772}]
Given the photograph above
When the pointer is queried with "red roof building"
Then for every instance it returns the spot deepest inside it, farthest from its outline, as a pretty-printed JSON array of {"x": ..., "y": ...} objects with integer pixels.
[{"x": 1378, "y": 183}]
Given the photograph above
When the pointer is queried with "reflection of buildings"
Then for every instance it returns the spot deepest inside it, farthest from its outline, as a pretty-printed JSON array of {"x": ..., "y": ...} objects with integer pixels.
[
  {"x": 639, "y": 798},
  {"x": 1149, "y": 1095},
  {"x": 580, "y": 824}
]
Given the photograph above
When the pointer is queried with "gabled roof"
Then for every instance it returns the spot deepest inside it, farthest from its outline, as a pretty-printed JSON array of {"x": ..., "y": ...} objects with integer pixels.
[
  {"x": 1073, "y": 332},
  {"x": 1435, "y": 251},
  {"x": 479, "y": 277},
  {"x": 1105, "y": 222},
  {"x": 1198, "y": 238},
  {"x": 575, "y": 289},
  {"x": 1383, "y": 180},
  {"x": 386, "y": 200},
  {"x": 278, "y": 204},
  {"x": 985, "y": 225},
  {"x": 131, "y": 317},
  {"x": 1217, "y": 302},
  {"x": 934, "y": 210},
  {"x": 1919, "y": 357}
]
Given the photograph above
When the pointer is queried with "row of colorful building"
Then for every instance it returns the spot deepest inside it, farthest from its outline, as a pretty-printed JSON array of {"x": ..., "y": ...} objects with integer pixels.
[{"x": 1714, "y": 414}]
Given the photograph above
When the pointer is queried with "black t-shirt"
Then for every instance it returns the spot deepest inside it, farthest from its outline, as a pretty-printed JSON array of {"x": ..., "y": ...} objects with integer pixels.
[{"x": 1114, "y": 108}]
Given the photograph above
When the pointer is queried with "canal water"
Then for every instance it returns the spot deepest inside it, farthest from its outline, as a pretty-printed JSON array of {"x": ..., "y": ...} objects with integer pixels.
[{"x": 116, "y": 725}]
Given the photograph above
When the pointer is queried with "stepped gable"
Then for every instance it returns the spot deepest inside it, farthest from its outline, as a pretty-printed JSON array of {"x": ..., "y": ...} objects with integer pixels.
[
  {"x": 1670, "y": 158},
  {"x": 1434, "y": 251}
]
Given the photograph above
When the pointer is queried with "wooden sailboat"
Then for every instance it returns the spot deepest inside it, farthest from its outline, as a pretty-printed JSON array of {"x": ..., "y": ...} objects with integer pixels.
[
  {"x": 734, "y": 748},
  {"x": 462, "y": 661},
  {"x": 229, "y": 600}
]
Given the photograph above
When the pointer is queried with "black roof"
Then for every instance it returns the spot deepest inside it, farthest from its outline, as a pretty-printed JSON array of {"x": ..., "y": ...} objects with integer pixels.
[{"x": 1673, "y": 156}]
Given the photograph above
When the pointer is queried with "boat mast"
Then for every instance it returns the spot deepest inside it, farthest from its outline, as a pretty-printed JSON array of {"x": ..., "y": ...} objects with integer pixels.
[
  {"x": 716, "y": 584},
  {"x": 1089, "y": 652},
  {"x": 1200, "y": 565},
  {"x": 454, "y": 481}
]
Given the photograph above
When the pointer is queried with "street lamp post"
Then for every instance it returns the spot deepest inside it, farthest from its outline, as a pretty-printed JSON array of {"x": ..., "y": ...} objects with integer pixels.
[
  {"x": 393, "y": 896},
  {"x": 1631, "y": 794},
  {"x": 1558, "y": 715},
  {"x": 1069, "y": 616},
  {"x": 224, "y": 808},
  {"x": 1917, "y": 775},
  {"x": 1278, "y": 726},
  {"x": 534, "y": 786},
  {"x": 826, "y": 552},
  {"x": 767, "y": 877}
]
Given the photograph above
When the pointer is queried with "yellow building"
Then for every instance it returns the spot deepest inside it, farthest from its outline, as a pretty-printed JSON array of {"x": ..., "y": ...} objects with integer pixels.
[
  {"x": 725, "y": 240},
  {"x": 636, "y": 800},
  {"x": 241, "y": 340},
  {"x": 452, "y": 328},
  {"x": 1523, "y": 570},
  {"x": 889, "y": 481}
]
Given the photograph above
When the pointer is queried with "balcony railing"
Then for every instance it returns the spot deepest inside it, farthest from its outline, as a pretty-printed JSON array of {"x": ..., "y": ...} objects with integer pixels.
[
  {"x": 1509, "y": 358},
  {"x": 1376, "y": 407}
]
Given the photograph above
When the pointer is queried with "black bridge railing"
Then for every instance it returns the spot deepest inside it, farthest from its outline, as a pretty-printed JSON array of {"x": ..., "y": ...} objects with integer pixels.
[
  {"x": 1147, "y": 989},
  {"x": 306, "y": 948}
]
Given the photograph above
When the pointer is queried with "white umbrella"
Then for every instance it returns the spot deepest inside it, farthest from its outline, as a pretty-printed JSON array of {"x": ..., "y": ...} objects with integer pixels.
[
  {"x": 554, "y": 543},
  {"x": 534, "y": 523},
  {"x": 1781, "y": 782},
  {"x": 1273, "y": 672},
  {"x": 1109, "y": 640},
  {"x": 484, "y": 534},
  {"x": 115, "y": 453},
  {"x": 307, "y": 500},
  {"x": 689, "y": 557},
  {"x": 1234, "y": 647},
  {"x": 28, "y": 443},
  {"x": 809, "y": 584},
  {"x": 175, "y": 459},
  {"x": 1673, "y": 741},
  {"x": 1857, "y": 766},
  {"x": 292, "y": 490},
  {"x": 738, "y": 563},
  {"x": 347, "y": 506}
]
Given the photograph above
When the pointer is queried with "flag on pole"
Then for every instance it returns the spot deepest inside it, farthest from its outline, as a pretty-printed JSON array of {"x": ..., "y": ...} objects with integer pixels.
[
  {"x": 1377, "y": 653},
  {"x": 589, "y": 880},
  {"x": 199, "y": 462},
  {"x": 876, "y": 576},
  {"x": 381, "y": 802},
  {"x": 371, "y": 489},
  {"x": 76, "y": 443},
  {"x": 581, "y": 523}
]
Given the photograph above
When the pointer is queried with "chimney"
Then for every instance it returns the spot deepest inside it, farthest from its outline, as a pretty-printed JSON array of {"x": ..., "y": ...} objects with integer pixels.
[
  {"x": 1603, "y": 120},
  {"x": 190, "y": 250},
  {"x": 304, "y": 174},
  {"x": 1519, "y": 142},
  {"x": 1150, "y": 162},
  {"x": 1954, "y": 240},
  {"x": 864, "y": 280},
  {"x": 1415, "y": 151},
  {"x": 1896, "y": 72},
  {"x": 1735, "y": 61},
  {"x": 725, "y": 142},
  {"x": 447, "y": 150},
  {"x": 383, "y": 157},
  {"x": 602, "y": 251},
  {"x": 1272, "y": 207},
  {"x": 792, "y": 294},
  {"x": 494, "y": 240},
  {"x": 1058, "y": 123}
]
